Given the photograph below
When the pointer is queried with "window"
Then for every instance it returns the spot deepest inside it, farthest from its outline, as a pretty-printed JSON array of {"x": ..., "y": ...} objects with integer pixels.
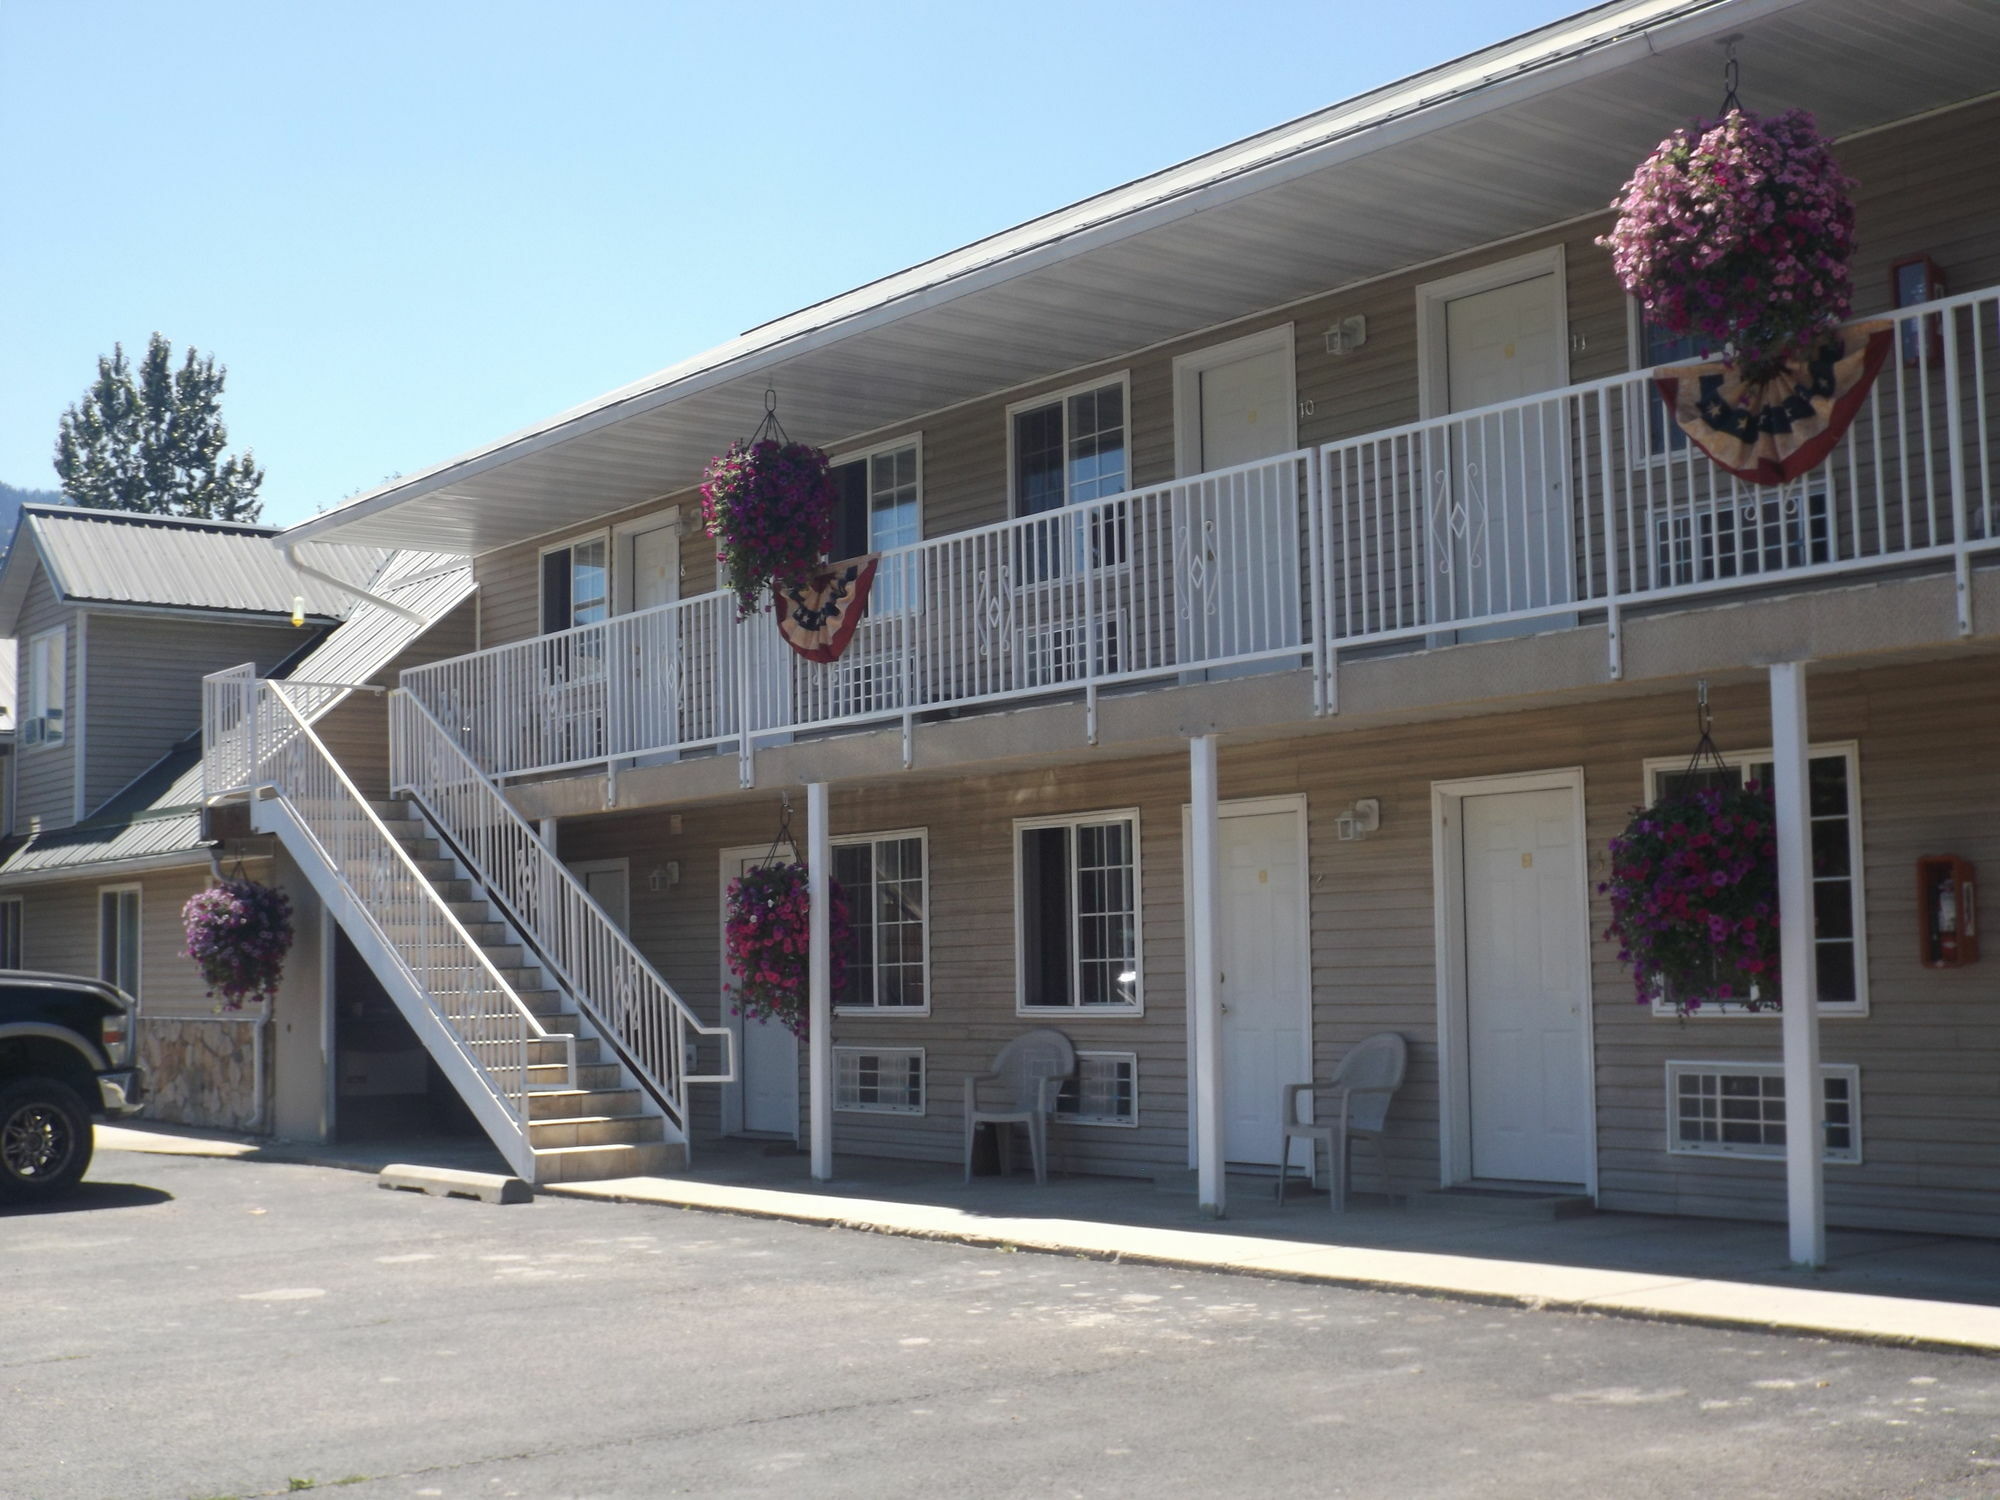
[
  {"x": 576, "y": 584},
  {"x": 1068, "y": 449},
  {"x": 879, "y": 1080},
  {"x": 883, "y": 878},
  {"x": 1738, "y": 1109},
  {"x": 1834, "y": 802},
  {"x": 47, "y": 688},
  {"x": 1077, "y": 899},
  {"x": 879, "y": 497},
  {"x": 1652, "y": 346},
  {"x": 1105, "y": 1090},
  {"x": 118, "y": 936},
  {"x": 10, "y": 933}
]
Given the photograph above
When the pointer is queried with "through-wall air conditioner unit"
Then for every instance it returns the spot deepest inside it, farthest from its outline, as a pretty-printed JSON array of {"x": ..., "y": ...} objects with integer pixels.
[{"x": 1054, "y": 654}]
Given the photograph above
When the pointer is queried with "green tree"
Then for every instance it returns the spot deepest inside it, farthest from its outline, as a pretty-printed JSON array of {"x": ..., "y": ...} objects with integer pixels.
[{"x": 156, "y": 444}]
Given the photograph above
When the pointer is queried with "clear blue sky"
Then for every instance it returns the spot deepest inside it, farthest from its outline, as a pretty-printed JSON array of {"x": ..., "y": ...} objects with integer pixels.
[{"x": 408, "y": 228}]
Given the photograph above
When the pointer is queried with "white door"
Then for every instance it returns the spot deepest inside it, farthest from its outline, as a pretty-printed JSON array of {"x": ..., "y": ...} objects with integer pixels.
[
  {"x": 767, "y": 1054},
  {"x": 1237, "y": 538},
  {"x": 1526, "y": 984},
  {"x": 1266, "y": 1041},
  {"x": 610, "y": 886},
  {"x": 1503, "y": 513},
  {"x": 646, "y": 712}
]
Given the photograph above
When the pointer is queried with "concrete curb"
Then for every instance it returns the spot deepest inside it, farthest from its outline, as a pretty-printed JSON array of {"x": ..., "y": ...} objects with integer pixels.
[
  {"x": 450, "y": 1182},
  {"x": 1953, "y": 1327}
]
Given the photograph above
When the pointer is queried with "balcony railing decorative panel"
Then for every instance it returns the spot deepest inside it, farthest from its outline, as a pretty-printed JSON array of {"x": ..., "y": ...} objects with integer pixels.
[{"x": 1533, "y": 514}]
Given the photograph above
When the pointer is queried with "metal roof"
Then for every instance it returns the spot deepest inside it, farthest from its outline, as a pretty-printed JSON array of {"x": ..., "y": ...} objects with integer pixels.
[
  {"x": 159, "y": 813},
  {"x": 1533, "y": 132},
  {"x": 137, "y": 560},
  {"x": 430, "y": 584}
]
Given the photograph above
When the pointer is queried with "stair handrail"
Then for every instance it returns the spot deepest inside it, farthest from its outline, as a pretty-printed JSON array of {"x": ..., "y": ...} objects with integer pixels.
[
  {"x": 354, "y": 841},
  {"x": 642, "y": 1016}
]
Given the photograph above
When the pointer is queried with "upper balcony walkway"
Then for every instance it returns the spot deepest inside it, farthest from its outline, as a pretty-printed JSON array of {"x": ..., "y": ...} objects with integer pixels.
[{"x": 1531, "y": 515}]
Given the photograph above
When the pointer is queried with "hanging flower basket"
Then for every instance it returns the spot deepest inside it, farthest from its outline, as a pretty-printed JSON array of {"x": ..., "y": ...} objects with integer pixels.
[
  {"x": 1739, "y": 229},
  {"x": 239, "y": 932},
  {"x": 768, "y": 943},
  {"x": 769, "y": 504},
  {"x": 1694, "y": 898}
]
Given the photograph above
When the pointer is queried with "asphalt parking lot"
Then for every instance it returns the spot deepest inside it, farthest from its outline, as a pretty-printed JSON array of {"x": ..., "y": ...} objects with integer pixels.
[{"x": 194, "y": 1327}]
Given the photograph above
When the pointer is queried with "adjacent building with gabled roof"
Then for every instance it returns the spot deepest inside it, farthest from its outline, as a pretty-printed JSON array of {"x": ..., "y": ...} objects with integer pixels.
[{"x": 118, "y": 617}]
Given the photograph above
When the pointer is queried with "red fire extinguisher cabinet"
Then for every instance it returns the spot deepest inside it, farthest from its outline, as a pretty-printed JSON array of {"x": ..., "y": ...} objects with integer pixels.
[{"x": 1947, "y": 911}]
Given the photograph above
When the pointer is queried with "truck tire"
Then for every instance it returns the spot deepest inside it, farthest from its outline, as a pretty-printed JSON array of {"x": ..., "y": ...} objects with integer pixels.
[{"x": 45, "y": 1139}]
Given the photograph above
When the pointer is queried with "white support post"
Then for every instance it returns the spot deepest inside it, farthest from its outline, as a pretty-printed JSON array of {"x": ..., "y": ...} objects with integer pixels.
[
  {"x": 1204, "y": 889},
  {"x": 1805, "y": 1100},
  {"x": 819, "y": 1030}
]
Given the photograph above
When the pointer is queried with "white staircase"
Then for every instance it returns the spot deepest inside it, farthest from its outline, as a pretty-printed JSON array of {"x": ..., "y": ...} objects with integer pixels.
[{"x": 488, "y": 958}]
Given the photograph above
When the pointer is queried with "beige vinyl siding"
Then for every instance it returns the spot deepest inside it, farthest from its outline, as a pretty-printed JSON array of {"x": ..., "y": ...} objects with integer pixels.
[
  {"x": 59, "y": 932},
  {"x": 1929, "y": 739},
  {"x": 143, "y": 692},
  {"x": 45, "y": 784}
]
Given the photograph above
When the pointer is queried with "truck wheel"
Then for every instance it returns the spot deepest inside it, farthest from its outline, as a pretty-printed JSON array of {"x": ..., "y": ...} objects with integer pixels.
[{"x": 45, "y": 1139}]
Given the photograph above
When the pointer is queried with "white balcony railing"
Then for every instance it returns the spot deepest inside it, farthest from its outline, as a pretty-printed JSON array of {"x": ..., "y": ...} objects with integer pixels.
[{"x": 1531, "y": 514}]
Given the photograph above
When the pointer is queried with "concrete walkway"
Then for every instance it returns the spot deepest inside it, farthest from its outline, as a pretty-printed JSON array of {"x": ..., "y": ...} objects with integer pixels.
[{"x": 1926, "y": 1291}]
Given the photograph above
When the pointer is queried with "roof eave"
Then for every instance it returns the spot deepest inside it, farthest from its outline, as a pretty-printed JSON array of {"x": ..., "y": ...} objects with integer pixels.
[{"x": 1397, "y": 119}]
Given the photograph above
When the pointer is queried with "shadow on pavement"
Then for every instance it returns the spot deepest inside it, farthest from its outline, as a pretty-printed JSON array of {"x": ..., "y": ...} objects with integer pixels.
[{"x": 90, "y": 1196}]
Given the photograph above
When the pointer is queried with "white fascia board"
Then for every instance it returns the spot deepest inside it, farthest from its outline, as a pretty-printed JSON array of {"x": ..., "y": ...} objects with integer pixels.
[{"x": 1375, "y": 121}]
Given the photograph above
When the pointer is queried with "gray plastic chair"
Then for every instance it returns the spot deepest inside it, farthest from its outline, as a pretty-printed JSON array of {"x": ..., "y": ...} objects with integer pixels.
[
  {"x": 1363, "y": 1085},
  {"x": 1029, "y": 1073}
]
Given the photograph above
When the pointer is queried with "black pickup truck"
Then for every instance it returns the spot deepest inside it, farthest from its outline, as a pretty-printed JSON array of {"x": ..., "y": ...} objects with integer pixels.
[{"x": 68, "y": 1051}]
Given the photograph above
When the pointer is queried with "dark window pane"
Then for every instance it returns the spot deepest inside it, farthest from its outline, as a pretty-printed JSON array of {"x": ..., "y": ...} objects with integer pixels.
[
  {"x": 850, "y": 517},
  {"x": 1038, "y": 460},
  {"x": 1045, "y": 916},
  {"x": 1833, "y": 909},
  {"x": 555, "y": 590},
  {"x": 1830, "y": 847},
  {"x": 1828, "y": 781},
  {"x": 1836, "y": 971}
]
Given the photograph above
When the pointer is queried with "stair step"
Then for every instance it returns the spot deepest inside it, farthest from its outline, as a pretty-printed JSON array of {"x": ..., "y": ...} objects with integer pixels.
[
  {"x": 595, "y": 1163},
  {"x": 580, "y": 1103},
  {"x": 506, "y": 957},
  {"x": 594, "y": 1077},
  {"x": 396, "y": 807},
  {"x": 480, "y": 929},
  {"x": 550, "y": 1053},
  {"x": 595, "y": 1130}
]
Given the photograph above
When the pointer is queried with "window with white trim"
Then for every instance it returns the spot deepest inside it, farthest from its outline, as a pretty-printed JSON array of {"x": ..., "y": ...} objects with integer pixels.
[
  {"x": 1076, "y": 883},
  {"x": 883, "y": 877},
  {"x": 879, "y": 1080},
  {"x": 46, "y": 691},
  {"x": 1068, "y": 449},
  {"x": 576, "y": 583},
  {"x": 1738, "y": 1109},
  {"x": 10, "y": 932},
  {"x": 118, "y": 936},
  {"x": 1839, "y": 907},
  {"x": 1104, "y": 1090},
  {"x": 880, "y": 509}
]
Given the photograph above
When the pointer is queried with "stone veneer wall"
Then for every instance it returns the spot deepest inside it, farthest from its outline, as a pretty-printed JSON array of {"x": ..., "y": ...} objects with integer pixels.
[{"x": 200, "y": 1072}]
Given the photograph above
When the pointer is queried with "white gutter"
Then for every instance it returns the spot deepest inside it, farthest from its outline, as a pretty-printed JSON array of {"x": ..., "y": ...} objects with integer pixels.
[{"x": 291, "y": 553}]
